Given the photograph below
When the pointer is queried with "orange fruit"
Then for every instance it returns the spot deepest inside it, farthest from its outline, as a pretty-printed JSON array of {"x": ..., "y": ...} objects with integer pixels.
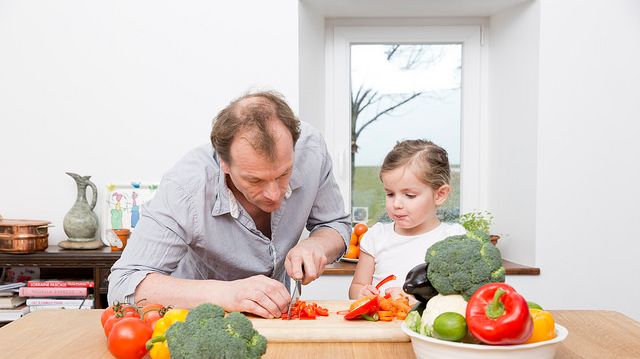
[
  {"x": 353, "y": 252},
  {"x": 360, "y": 229},
  {"x": 354, "y": 239}
]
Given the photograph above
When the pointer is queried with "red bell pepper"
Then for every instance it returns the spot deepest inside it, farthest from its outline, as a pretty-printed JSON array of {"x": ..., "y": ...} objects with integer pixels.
[
  {"x": 368, "y": 307},
  {"x": 497, "y": 315},
  {"x": 385, "y": 280}
]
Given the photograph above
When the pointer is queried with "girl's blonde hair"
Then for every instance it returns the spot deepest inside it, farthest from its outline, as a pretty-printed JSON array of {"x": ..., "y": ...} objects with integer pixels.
[{"x": 429, "y": 161}]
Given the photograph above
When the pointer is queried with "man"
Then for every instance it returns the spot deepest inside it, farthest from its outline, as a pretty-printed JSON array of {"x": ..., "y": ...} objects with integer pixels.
[{"x": 224, "y": 224}]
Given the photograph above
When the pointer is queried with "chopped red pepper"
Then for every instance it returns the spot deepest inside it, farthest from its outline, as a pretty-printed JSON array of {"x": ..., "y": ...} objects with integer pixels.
[
  {"x": 497, "y": 315},
  {"x": 304, "y": 311}
]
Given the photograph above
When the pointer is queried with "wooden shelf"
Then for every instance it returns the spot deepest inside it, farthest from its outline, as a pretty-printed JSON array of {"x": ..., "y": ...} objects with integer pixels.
[
  {"x": 348, "y": 268},
  {"x": 93, "y": 263}
]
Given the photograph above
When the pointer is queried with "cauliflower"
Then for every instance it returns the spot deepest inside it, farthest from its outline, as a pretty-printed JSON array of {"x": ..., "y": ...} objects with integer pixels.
[{"x": 438, "y": 305}]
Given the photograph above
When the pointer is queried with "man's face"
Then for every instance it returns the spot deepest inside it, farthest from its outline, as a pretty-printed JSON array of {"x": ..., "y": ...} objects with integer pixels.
[{"x": 263, "y": 182}]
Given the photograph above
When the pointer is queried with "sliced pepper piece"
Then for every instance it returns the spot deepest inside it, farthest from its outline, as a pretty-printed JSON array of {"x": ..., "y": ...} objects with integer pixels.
[{"x": 366, "y": 307}]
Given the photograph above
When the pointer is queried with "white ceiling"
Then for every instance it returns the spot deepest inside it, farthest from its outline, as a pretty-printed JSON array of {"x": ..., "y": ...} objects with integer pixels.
[{"x": 409, "y": 8}]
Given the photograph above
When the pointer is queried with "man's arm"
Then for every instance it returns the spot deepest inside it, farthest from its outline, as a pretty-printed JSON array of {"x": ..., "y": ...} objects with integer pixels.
[
  {"x": 259, "y": 295},
  {"x": 329, "y": 225}
]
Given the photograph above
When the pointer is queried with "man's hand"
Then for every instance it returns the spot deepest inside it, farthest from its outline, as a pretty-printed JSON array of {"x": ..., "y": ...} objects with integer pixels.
[
  {"x": 306, "y": 261},
  {"x": 258, "y": 295}
]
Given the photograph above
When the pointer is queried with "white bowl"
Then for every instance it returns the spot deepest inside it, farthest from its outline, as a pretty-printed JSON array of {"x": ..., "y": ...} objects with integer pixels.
[{"x": 432, "y": 348}]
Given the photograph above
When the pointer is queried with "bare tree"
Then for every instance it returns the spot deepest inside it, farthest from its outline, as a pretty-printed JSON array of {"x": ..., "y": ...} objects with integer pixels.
[
  {"x": 407, "y": 57},
  {"x": 359, "y": 102}
]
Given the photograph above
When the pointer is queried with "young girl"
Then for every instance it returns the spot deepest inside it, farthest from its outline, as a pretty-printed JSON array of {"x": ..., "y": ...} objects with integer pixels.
[{"x": 415, "y": 176}]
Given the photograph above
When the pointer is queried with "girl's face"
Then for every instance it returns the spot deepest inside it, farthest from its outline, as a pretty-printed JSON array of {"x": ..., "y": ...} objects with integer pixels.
[{"x": 410, "y": 203}]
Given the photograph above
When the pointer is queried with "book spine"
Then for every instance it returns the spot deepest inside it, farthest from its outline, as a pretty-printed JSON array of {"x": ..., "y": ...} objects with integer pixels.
[
  {"x": 56, "y": 284},
  {"x": 52, "y": 292},
  {"x": 35, "y": 308},
  {"x": 51, "y": 301}
]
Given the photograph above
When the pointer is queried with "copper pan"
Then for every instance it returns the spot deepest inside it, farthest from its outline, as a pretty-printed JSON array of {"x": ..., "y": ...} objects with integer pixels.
[{"x": 23, "y": 236}]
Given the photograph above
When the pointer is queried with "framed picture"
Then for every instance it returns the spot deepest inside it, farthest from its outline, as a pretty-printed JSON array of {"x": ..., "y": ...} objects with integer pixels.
[
  {"x": 360, "y": 214},
  {"x": 123, "y": 207}
]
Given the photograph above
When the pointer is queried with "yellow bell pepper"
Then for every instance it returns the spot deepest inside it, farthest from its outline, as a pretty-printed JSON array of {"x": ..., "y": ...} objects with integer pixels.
[
  {"x": 157, "y": 345},
  {"x": 544, "y": 327}
]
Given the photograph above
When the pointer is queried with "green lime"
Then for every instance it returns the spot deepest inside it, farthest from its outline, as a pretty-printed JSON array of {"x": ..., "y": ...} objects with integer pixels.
[
  {"x": 533, "y": 305},
  {"x": 450, "y": 326}
]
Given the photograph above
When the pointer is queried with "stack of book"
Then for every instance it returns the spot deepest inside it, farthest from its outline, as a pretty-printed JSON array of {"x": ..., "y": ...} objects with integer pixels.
[
  {"x": 12, "y": 306},
  {"x": 57, "y": 294}
]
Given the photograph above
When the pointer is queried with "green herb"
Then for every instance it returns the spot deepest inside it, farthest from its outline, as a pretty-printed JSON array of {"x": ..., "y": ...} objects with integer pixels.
[{"x": 477, "y": 221}]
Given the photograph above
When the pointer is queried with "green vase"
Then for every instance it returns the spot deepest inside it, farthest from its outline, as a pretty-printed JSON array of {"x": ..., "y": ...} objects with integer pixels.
[{"x": 81, "y": 223}]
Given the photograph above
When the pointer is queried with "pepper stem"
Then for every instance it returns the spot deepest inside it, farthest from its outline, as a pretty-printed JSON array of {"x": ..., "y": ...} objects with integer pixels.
[
  {"x": 495, "y": 309},
  {"x": 158, "y": 339}
]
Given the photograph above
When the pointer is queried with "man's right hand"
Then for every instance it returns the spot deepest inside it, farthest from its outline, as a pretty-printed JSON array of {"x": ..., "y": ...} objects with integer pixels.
[{"x": 258, "y": 295}]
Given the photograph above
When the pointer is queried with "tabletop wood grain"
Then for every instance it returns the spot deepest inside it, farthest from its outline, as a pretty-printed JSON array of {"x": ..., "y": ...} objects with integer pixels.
[{"x": 78, "y": 334}]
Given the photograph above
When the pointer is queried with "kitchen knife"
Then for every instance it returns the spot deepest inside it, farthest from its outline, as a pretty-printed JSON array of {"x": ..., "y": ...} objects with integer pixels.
[{"x": 295, "y": 295}]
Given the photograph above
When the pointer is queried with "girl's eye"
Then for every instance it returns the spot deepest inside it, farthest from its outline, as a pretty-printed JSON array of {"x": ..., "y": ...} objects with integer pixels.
[
  {"x": 389, "y": 194},
  {"x": 411, "y": 196}
]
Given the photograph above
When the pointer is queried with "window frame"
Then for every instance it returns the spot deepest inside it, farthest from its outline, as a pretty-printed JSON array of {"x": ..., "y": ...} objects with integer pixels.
[{"x": 473, "y": 129}]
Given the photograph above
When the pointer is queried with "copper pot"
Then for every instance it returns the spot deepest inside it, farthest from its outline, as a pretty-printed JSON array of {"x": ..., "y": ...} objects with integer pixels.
[{"x": 23, "y": 235}]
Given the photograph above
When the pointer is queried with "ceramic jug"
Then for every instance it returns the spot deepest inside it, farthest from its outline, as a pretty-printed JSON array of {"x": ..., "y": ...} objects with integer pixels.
[{"x": 81, "y": 223}]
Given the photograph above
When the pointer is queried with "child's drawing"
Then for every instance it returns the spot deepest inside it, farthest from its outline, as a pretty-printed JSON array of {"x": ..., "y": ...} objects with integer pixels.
[{"x": 123, "y": 206}]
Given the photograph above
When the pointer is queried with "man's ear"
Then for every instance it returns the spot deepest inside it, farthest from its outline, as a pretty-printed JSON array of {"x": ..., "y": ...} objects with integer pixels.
[
  {"x": 224, "y": 166},
  {"x": 441, "y": 194}
]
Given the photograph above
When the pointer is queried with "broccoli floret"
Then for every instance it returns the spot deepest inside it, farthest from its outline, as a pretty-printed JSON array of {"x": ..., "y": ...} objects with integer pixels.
[
  {"x": 237, "y": 325},
  {"x": 205, "y": 312},
  {"x": 257, "y": 346},
  {"x": 207, "y": 333},
  {"x": 462, "y": 264}
]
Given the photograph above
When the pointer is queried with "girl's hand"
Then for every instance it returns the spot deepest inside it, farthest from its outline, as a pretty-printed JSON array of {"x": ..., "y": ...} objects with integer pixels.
[
  {"x": 368, "y": 290},
  {"x": 394, "y": 292}
]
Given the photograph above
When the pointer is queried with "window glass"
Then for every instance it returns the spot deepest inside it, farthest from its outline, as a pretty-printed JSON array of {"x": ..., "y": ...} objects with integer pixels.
[{"x": 398, "y": 92}]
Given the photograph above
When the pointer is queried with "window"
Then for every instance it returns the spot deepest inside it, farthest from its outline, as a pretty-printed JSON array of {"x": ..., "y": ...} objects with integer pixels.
[{"x": 394, "y": 83}]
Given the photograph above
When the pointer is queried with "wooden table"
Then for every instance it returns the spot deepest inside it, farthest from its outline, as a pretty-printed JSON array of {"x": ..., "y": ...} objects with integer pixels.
[{"x": 78, "y": 334}]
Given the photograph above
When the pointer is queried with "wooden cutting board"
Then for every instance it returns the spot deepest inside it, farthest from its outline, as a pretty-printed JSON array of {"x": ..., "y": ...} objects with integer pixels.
[{"x": 333, "y": 328}]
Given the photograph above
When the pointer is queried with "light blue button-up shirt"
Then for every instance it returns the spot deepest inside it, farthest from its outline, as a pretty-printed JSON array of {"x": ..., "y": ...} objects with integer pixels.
[{"x": 194, "y": 228}]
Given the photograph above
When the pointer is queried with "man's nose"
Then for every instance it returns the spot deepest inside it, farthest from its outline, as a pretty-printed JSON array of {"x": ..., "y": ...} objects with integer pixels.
[{"x": 272, "y": 191}]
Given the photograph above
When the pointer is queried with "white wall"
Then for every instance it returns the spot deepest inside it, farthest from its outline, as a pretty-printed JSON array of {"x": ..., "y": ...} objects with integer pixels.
[
  {"x": 122, "y": 89},
  {"x": 588, "y": 172},
  {"x": 512, "y": 128}
]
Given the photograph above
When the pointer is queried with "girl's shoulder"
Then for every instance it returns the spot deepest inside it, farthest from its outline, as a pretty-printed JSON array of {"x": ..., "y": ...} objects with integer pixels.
[
  {"x": 452, "y": 229},
  {"x": 377, "y": 230}
]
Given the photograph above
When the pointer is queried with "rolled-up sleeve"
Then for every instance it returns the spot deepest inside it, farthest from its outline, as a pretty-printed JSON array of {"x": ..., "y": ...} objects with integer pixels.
[
  {"x": 328, "y": 207},
  {"x": 157, "y": 244}
]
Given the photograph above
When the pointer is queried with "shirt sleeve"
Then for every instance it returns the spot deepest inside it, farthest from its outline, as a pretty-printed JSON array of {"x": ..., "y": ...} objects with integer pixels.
[
  {"x": 157, "y": 244},
  {"x": 368, "y": 241},
  {"x": 328, "y": 207}
]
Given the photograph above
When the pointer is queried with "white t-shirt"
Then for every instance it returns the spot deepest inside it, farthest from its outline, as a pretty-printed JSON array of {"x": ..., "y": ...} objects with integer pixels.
[{"x": 397, "y": 254}]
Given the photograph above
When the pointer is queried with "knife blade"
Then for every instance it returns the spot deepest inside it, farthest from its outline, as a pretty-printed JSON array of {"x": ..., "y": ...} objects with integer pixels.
[{"x": 295, "y": 295}]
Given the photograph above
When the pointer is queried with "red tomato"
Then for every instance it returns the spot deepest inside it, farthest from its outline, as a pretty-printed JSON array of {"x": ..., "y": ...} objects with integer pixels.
[
  {"x": 128, "y": 338},
  {"x": 106, "y": 314},
  {"x": 152, "y": 312},
  {"x": 115, "y": 318}
]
